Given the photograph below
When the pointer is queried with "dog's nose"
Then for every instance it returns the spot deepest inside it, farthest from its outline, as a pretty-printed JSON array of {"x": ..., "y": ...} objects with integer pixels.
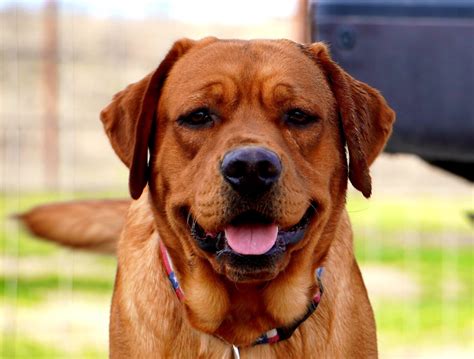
[{"x": 251, "y": 170}]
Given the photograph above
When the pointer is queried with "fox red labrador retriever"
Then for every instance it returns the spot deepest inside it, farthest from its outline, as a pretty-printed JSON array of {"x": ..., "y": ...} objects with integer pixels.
[{"x": 238, "y": 241}]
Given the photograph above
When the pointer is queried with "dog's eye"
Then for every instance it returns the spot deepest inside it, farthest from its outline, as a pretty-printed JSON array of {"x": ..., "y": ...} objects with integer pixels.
[
  {"x": 197, "y": 119},
  {"x": 297, "y": 117}
]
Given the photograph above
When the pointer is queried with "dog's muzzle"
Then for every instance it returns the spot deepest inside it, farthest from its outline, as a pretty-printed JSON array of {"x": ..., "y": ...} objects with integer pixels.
[{"x": 250, "y": 237}]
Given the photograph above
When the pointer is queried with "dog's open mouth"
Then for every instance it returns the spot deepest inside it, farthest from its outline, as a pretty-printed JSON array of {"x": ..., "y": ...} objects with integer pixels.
[{"x": 251, "y": 234}]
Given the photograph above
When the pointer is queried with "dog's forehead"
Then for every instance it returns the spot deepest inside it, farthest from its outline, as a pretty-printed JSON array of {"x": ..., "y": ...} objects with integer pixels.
[{"x": 246, "y": 61}]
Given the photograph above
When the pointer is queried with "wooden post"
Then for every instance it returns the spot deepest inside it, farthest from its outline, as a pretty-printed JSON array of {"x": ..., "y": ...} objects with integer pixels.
[
  {"x": 50, "y": 96},
  {"x": 301, "y": 22}
]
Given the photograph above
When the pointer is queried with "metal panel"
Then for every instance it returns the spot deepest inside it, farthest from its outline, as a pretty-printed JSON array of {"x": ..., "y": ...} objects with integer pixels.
[{"x": 422, "y": 62}]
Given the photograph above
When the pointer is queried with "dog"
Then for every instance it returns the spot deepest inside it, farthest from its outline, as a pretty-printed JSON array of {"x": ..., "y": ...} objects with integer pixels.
[{"x": 237, "y": 241}]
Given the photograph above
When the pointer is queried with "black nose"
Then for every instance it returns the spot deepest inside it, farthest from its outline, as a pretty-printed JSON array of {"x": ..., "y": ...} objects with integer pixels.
[{"x": 251, "y": 170}]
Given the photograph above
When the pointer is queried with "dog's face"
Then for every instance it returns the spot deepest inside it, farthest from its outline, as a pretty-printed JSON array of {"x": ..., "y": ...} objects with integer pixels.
[
  {"x": 249, "y": 146},
  {"x": 247, "y": 149}
]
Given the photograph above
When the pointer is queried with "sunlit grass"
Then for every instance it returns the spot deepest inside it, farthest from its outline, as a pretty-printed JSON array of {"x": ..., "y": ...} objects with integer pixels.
[
  {"x": 417, "y": 214},
  {"x": 34, "y": 290},
  {"x": 21, "y": 347},
  {"x": 442, "y": 313},
  {"x": 432, "y": 241}
]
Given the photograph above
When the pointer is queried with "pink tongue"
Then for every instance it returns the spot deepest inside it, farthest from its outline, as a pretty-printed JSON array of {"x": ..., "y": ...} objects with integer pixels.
[{"x": 251, "y": 239}]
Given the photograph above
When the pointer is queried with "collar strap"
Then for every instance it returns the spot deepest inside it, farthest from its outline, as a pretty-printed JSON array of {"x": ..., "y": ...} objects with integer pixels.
[
  {"x": 170, "y": 271},
  {"x": 272, "y": 336}
]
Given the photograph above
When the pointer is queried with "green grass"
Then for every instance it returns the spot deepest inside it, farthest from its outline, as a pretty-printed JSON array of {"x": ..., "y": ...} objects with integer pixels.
[
  {"x": 420, "y": 215},
  {"x": 442, "y": 312},
  {"x": 35, "y": 290},
  {"x": 20, "y": 347},
  {"x": 12, "y": 347},
  {"x": 431, "y": 241}
]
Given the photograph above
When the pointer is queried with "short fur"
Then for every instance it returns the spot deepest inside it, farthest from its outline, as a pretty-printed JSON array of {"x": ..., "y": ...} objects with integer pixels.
[{"x": 248, "y": 85}]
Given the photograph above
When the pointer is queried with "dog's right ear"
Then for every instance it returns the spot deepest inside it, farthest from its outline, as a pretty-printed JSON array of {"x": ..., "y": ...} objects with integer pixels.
[{"x": 128, "y": 119}]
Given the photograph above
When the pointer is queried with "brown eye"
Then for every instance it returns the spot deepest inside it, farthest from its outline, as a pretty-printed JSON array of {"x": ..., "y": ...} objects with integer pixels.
[
  {"x": 297, "y": 117},
  {"x": 201, "y": 118}
]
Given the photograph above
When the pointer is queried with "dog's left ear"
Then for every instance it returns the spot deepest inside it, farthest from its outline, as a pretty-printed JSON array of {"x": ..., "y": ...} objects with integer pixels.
[
  {"x": 366, "y": 118},
  {"x": 128, "y": 119}
]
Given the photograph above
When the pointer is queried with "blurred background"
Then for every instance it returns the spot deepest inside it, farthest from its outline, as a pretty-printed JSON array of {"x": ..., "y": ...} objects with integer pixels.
[{"x": 60, "y": 64}]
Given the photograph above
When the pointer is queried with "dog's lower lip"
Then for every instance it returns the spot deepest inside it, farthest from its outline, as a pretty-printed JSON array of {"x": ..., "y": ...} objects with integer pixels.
[{"x": 216, "y": 242}]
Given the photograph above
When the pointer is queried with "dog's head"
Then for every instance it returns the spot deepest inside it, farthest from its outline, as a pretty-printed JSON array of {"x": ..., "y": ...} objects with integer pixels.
[{"x": 242, "y": 145}]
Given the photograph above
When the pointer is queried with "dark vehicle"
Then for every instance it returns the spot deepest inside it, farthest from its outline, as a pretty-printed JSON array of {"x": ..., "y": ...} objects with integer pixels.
[{"x": 420, "y": 54}]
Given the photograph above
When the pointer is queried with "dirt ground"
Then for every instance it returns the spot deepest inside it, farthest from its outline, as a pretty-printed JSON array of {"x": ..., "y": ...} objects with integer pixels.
[{"x": 408, "y": 175}]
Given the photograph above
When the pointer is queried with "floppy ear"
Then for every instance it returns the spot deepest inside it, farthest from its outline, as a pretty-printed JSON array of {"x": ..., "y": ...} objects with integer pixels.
[
  {"x": 366, "y": 118},
  {"x": 128, "y": 119}
]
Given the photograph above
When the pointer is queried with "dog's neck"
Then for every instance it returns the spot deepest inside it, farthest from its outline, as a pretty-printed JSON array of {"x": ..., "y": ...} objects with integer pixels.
[
  {"x": 241, "y": 313},
  {"x": 270, "y": 336}
]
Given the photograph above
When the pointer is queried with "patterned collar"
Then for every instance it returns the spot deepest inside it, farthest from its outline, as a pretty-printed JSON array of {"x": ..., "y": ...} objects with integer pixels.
[{"x": 272, "y": 336}]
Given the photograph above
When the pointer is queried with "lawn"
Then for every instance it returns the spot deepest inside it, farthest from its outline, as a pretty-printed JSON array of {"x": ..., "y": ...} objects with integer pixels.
[
  {"x": 416, "y": 255},
  {"x": 429, "y": 241}
]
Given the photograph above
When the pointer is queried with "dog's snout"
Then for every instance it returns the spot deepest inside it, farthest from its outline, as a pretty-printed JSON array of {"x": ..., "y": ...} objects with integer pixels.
[{"x": 251, "y": 170}]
